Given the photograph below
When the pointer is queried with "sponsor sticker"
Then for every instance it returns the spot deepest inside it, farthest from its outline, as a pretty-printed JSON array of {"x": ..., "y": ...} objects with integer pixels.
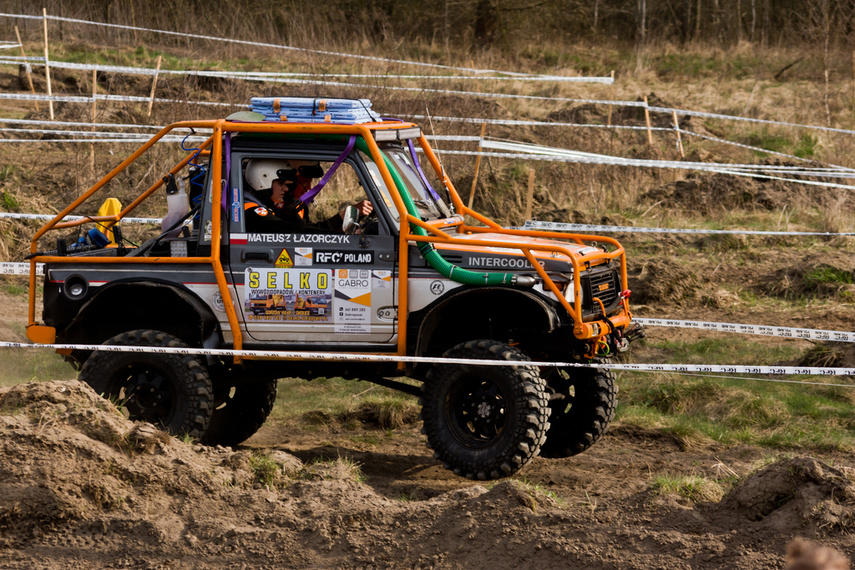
[
  {"x": 333, "y": 257},
  {"x": 303, "y": 256},
  {"x": 290, "y": 295}
]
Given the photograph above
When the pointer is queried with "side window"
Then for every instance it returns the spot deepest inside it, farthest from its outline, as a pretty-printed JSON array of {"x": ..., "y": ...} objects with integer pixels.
[{"x": 298, "y": 195}]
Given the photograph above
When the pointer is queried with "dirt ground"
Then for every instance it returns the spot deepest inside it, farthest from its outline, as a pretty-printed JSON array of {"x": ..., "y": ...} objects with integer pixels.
[{"x": 82, "y": 487}]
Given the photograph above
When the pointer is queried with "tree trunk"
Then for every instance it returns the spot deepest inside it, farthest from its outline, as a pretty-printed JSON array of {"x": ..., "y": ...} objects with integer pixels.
[
  {"x": 698, "y": 21},
  {"x": 687, "y": 22},
  {"x": 753, "y": 19}
]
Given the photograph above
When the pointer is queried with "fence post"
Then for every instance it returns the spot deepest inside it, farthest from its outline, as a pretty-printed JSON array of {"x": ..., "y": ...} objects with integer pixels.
[
  {"x": 47, "y": 65},
  {"x": 679, "y": 138},
  {"x": 92, "y": 144},
  {"x": 612, "y": 97},
  {"x": 477, "y": 166},
  {"x": 647, "y": 121},
  {"x": 153, "y": 86},
  {"x": 530, "y": 195},
  {"x": 26, "y": 66}
]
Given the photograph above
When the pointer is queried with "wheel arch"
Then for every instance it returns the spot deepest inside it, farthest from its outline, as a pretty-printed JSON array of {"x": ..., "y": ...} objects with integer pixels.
[
  {"x": 129, "y": 305},
  {"x": 480, "y": 312}
]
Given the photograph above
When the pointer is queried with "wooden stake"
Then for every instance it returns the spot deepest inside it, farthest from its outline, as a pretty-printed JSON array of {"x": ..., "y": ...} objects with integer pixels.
[
  {"x": 679, "y": 138},
  {"x": 477, "y": 167},
  {"x": 153, "y": 85},
  {"x": 529, "y": 198},
  {"x": 612, "y": 97},
  {"x": 853, "y": 72},
  {"x": 26, "y": 66},
  {"x": 647, "y": 121},
  {"x": 47, "y": 66},
  {"x": 92, "y": 145}
]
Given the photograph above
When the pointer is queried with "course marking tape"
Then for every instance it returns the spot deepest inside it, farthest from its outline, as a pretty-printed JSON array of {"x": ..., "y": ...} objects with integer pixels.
[
  {"x": 16, "y": 215},
  {"x": 272, "y": 75},
  {"x": 108, "y": 125},
  {"x": 749, "y": 119},
  {"x": 179, "y": 138},
  {"x": 837, "y": 172},
  {"x": 341, "y": 357},
  {"x": 728, "y": 168},
  {"x": 100, "y": 140},
  {"x": 135, "y": 136},
  {"x": 782, "y": 332},
  {"x": 14, "y": 268},
  {"x": 268, "y": 45},
  {"x": 641, "y": 163},
  {"x": 101, "y": 97},
  {"x": 568, "y": 227}
]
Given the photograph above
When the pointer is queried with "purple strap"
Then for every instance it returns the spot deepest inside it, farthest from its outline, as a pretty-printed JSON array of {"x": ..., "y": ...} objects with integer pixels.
[
  {"x": 224, "y": 182},
  {"x": 310, "y": 195},
  {"x": 421, "y": 173}
]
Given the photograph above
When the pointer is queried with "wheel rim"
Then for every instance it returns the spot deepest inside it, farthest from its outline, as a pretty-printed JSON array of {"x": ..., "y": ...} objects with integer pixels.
[
  {"x": 145, "y": 392},
  {"x": 476, "y": 411},
  {"x": 565, "y": 385}
]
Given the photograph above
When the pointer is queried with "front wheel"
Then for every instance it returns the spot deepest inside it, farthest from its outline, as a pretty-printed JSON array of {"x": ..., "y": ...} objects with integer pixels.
[
  {"x": 485, "y": 422},
  {"x": 171, "y": 391},
  {"x": 583, "y": 405}
]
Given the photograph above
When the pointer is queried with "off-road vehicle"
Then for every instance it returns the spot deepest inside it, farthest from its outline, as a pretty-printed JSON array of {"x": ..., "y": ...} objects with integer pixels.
[{"x": 423, "y": 275}]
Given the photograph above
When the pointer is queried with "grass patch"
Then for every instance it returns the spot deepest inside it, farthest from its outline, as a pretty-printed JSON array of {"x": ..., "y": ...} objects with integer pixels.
[
  {"x": 32, "y": 365},
  {"x": 335, "y": 400},
  {"x": 266, "y": 470},
  {"x": 693, "y": 487},
  {"x": 338, "y": 469},
  {"x": 538, "y": 492},
  {"x": 700, "y": 410}
]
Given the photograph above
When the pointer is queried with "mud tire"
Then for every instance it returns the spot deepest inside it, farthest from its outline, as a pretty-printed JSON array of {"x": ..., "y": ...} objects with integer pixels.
[
  {"x": 171, "y": 391},
  {"x": 583, "y": 403},
  {"x": 513, "y": 419},
  {"x": 241, "y": 413}
]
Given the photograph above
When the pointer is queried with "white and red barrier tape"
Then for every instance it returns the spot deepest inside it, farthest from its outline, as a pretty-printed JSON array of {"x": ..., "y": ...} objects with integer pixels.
[{"x": 349, "y": 357}]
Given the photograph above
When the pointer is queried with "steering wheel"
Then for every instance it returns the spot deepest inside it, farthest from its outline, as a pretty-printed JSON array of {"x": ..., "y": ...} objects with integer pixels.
[{"x": 369, "y": 225}]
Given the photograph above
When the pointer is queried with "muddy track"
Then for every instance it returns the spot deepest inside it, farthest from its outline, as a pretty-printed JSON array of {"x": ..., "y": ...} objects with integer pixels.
[{"x": 81, "y": 487}]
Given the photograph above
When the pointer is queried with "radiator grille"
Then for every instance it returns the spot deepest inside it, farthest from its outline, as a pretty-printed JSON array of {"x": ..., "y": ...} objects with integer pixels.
[{"x": 605, "y": 286}]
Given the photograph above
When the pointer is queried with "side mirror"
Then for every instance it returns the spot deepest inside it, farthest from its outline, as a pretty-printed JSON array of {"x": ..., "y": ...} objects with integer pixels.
[{"x": 350, "y": 220}]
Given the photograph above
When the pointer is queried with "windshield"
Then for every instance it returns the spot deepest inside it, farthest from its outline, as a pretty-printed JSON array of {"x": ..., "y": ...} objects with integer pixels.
[{"x": 429, "y": 204}]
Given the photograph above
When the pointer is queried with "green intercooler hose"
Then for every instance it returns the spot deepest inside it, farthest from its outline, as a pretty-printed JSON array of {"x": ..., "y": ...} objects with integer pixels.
[{"x": 428, "y": 251}]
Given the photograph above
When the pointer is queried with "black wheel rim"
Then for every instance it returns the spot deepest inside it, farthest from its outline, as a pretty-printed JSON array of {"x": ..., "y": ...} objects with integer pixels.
[
  {"x": 564, "y": 385},
  {"x": 146, "y": 392},
  {"x": 476, "y": 411}
]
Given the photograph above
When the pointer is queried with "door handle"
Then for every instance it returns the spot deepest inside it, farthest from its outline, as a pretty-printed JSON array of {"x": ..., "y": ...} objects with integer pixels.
[{"x": 256, "y": 255}]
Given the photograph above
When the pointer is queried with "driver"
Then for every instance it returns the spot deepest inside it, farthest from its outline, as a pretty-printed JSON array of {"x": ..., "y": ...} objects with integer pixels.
[{"x": 277, "y": 185}]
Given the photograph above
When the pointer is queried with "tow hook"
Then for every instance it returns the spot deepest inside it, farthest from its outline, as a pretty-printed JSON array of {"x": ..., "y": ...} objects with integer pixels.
[{"x": 634, "y": 331}]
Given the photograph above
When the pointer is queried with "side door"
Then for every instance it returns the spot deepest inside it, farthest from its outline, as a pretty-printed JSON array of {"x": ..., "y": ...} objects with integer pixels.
[{"x": 298, "y": 287}]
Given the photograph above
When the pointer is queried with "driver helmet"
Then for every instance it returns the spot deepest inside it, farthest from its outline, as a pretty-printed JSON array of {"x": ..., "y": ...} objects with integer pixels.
[{"x": 261, "y": 172}]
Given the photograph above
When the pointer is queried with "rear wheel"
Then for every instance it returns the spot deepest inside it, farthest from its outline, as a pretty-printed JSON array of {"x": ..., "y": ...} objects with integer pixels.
[
  {"x": 485, "y": 422},
  {"x": 243, "y": 410},
  {"x": 583, "y": 403},
  {"x": 171, "y": 391}
]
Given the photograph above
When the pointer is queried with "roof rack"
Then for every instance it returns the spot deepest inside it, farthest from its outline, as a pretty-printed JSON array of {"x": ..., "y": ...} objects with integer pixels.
[{"x": 314, "y": 110}]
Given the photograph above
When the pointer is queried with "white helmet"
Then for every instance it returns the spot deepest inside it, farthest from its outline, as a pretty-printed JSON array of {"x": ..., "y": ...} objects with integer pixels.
[{"x": 261, "y": 172}]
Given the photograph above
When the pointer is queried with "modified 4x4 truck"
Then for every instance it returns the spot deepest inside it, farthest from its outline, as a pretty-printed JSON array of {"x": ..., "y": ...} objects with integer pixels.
[{"x": 413, "y": 279}]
